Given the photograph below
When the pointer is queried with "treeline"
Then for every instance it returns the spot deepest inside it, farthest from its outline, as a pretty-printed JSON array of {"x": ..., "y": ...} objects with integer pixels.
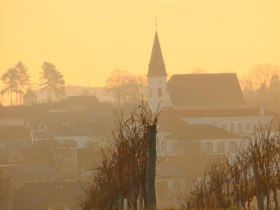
[
  {"x": 127, "y": 167},
  {"x": 126, "y": 88},
  {"x": 262, "y": 85},
  {"x": 17, "y": 79},
  {"x": 254, "y": 171}
]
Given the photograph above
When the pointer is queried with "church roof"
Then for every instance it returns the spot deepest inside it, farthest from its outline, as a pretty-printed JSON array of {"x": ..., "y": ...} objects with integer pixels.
[
  {"x": 156, "y": 66},
  {"x": 205, "y": 90}
]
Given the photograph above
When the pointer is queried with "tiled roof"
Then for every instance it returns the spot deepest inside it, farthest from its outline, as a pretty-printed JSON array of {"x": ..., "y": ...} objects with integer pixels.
[
  {"x": 62, "y": 132},
  {"x": 15, "y": 132},
  {"x": 30, "y": 94},
  {"x": 203, "y": 132},
  {"x": 184, "y": 131},
  {"x": 227, "y": 112},
  {"x": 34, "y": 196},
  {"x": 12, "y": 121},
  {"x": 27, "y": 170},
  {"x": 205, "y": 90},
  {"x": 81, "y": 100}
]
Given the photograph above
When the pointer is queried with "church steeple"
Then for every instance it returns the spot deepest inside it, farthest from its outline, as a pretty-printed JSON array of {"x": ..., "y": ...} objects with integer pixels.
[
  {"x": 156, "y": 66},
  {"x": 157, "y": 84}
]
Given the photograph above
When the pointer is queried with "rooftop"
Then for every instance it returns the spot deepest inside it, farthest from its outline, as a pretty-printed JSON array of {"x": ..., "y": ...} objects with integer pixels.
[
  {"x": 27, "y": 170},
  {"x": 34, "y": 196},
  {"x": 205, "y": 90}
]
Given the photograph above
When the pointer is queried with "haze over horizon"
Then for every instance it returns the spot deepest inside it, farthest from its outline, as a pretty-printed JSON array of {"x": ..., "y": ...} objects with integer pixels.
[{"x": 87, "y": 40}]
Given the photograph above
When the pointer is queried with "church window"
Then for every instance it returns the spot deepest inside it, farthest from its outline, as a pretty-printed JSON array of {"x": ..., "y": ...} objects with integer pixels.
[
  {"x": 159, "y": 92},
  {"x": 208, "y": 147},
  {"x": 239, "y": 128},
  {"x": 150, "y": 92},
  {"x": 247, "y": 126},
  {"x": 197, "y": 147},
  {"x": 232, "y": 128},
  {"x": 221, "y": 147}
]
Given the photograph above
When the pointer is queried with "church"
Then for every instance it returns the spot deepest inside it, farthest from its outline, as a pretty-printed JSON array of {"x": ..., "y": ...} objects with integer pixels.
[
  {"x": 214, "y": 99},
  {"x": 221, "y": 90}
]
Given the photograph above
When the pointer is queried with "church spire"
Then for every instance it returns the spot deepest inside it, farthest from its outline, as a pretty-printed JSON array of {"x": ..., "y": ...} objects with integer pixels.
[{"x": 156, "y": 66}]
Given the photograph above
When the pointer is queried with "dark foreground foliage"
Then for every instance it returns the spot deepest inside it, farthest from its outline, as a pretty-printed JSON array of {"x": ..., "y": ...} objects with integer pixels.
[{"x": 127, "y": 168}]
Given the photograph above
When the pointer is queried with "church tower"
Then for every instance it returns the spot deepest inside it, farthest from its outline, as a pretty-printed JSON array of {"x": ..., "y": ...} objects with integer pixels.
[{"x": 157, "y": 85}]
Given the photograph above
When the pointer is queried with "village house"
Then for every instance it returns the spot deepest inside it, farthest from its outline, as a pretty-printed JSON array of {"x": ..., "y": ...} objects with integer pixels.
[
  {"x": 175, "y": 176},
  {"x": 29, "y": 98},
  {"x": 15, "y": 134},
  {"x": 49, "y": 196},
  {"x": 176, "y": 137},
  {"x": 13, "y": 177}
]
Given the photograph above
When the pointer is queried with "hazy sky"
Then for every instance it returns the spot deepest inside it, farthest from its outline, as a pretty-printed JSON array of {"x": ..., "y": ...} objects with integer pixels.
[{"x": 87, "y": 39}]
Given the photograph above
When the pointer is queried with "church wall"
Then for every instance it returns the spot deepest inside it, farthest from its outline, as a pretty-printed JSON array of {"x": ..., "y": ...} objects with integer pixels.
[{"x": 157, "y": 92}]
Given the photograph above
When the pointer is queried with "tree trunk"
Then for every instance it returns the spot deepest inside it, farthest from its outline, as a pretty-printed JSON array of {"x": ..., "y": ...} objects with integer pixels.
[
  {"x": 16, "y": 98},
  {"x": 51, "y": 96},
  {"x": 142, "y": 184},
  {"x": 151, "y": 168},
  {"x": 259, "y": 193},
  {"x": 268, "y": 201},
  {"x": 120, "y": 198},
  {"x": 20, "y": 94},
  {"x": 11, "y": 97},
  {"x": 132, "y": 183},
  {"x": 140, "y": 197},
  {"x": 219, "y": 198},
  {"x": 48, "y": 95},
  {"x": 249, "y": 205},
  {"x": 275, "y": 197}
]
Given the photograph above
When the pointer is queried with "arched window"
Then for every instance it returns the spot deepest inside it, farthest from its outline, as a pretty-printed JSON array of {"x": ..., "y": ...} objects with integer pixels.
[
  {"x": 159, "y": 92},
  {"x": 150, "y": 92}
]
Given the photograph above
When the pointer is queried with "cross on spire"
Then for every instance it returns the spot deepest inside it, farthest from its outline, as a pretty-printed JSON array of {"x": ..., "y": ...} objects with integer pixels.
[{"x": 156, "y": 22}]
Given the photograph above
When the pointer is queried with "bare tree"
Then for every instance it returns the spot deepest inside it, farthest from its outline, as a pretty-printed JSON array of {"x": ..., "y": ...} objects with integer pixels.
[
  {"x": 253, "y": 172},
  {"x": 125, "y": 88},
  {"x": 127, "y": 167},
  {"x": 261, "y": 85}
]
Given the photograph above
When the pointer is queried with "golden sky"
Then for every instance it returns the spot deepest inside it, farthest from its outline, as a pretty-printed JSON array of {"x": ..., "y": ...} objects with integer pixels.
[{"x": 87, "y": 39}]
